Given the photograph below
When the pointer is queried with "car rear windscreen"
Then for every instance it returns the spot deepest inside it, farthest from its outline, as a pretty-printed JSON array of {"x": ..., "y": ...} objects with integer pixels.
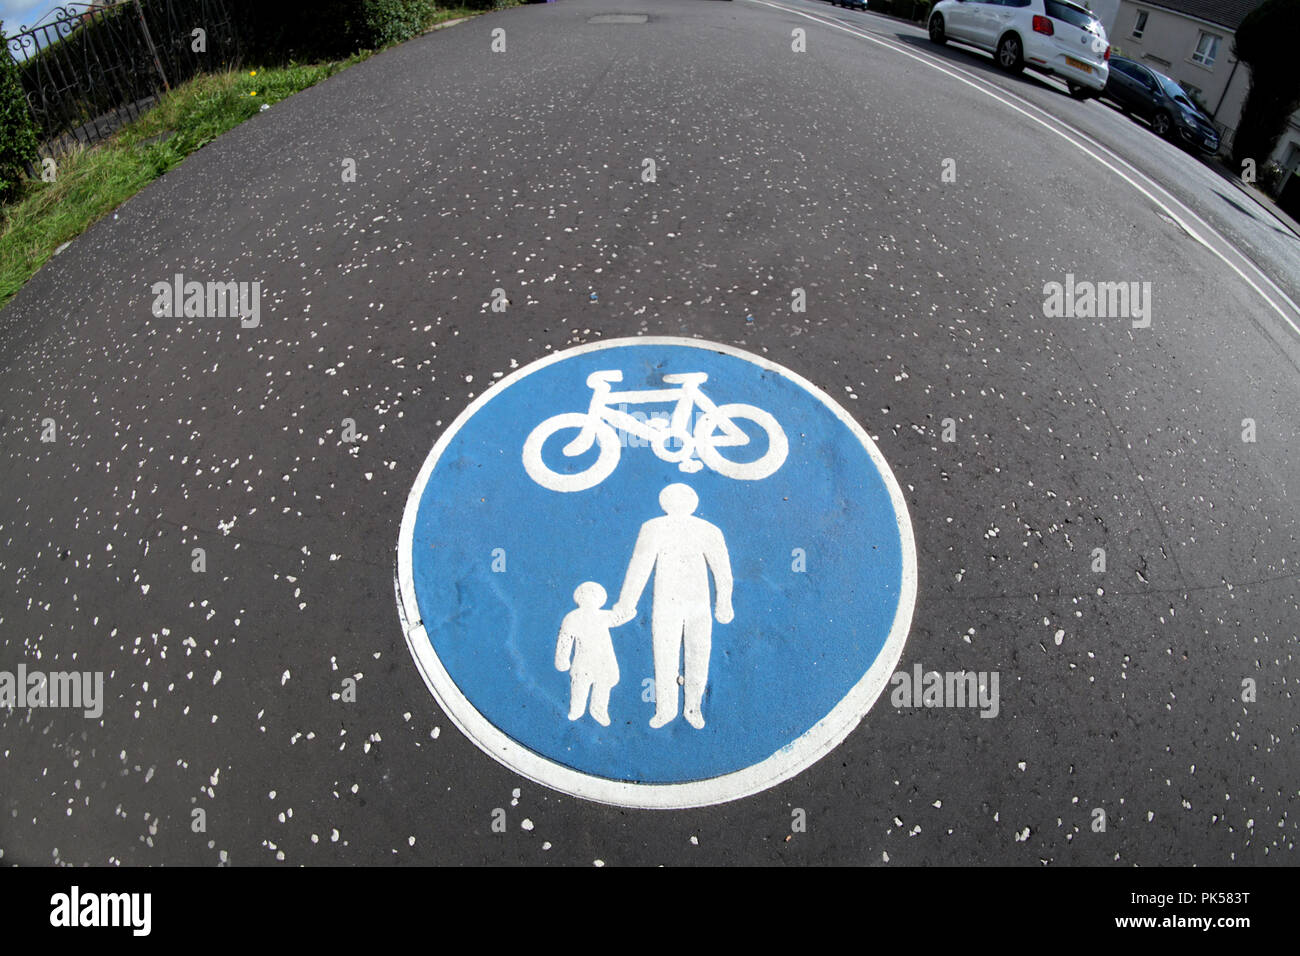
[
  {"x": 1173, "y": 89},
  {"x": 1075, "y": 16}
]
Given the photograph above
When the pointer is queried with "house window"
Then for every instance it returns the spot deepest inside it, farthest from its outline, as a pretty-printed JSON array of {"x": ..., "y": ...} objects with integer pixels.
[
  {"x": 1207, "y": 49},
  {"x": 1140, "y": 27}
]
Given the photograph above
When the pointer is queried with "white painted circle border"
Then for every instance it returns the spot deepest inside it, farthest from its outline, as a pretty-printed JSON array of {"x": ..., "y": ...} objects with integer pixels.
[{"x": 815, "y": 743}]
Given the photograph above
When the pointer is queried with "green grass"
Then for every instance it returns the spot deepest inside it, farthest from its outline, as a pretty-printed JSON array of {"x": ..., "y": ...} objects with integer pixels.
[{"x": 91, "y": 182}]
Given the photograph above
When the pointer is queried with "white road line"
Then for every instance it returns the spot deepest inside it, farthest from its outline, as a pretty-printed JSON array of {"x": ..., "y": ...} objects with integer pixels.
[{"x": 1078, "y": 140}]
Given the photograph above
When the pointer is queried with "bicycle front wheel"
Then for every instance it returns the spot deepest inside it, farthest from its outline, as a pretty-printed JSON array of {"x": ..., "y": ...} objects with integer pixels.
[{"x": 772, "y": 459}]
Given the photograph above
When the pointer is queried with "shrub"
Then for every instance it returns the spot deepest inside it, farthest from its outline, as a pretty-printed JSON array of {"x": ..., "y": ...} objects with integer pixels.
[
  {"x": 279, "y": 33},
  {"x": 1270, "y": 177},
  {"x": 1265, "y": 42},
  {"x": 914, "y": 10},
  {"x": 17, "y": 129},
  {"x": 392, "y": 21}
]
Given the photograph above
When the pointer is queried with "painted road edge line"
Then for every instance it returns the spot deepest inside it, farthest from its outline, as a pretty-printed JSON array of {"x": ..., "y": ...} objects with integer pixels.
[{"x": 1082, "y": 141}]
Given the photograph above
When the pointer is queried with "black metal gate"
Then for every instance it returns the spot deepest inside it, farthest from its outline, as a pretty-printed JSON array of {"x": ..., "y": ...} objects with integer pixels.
[{"x": 87, "y": 68}]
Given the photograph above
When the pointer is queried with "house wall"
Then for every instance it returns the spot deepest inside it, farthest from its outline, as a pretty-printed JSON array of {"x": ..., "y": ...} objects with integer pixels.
[
  {"x": 1105, "y": 11},
  {"x": 1167, "y": 44}
]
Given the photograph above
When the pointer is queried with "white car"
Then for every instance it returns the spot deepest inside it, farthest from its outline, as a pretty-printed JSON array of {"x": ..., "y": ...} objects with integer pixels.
[{"x": 1054, "y": 36}]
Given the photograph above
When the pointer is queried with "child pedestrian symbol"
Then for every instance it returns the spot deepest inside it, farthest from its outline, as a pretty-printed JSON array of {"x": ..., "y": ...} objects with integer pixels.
[{"x": 585, "y": 650}]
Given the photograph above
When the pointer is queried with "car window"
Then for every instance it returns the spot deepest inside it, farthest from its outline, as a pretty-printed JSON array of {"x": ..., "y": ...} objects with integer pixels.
[
  {"x": 1129, "y": 69},
  {"x": 1075, "y": 16},
  {"x": 1173, "y": 89}
]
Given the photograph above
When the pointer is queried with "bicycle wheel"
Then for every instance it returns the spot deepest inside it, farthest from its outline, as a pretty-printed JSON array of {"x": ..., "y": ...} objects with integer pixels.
[
  {"x": 777, "y": 445},
  {"x": 600, "y": 469}
]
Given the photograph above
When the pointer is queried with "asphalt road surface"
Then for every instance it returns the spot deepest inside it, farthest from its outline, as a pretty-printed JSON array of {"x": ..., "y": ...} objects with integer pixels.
[{"x": 1125, "y": 690}]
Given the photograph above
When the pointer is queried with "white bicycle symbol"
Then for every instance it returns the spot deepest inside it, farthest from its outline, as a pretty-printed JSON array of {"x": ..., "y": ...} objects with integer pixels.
[{"x": 715, "y": 429}]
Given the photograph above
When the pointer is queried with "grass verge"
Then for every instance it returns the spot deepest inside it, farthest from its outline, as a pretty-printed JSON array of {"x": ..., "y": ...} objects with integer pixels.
[{"x": 91, "y": 182}]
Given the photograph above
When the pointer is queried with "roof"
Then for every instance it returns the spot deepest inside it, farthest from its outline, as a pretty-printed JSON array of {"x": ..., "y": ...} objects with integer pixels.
[{"x": 1226, "y": 13}]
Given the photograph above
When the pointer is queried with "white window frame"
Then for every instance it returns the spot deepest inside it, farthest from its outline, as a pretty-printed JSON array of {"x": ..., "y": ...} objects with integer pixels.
[
  {"x": 1140, "y": 24},
  {"x": 1205, "y": 59}
]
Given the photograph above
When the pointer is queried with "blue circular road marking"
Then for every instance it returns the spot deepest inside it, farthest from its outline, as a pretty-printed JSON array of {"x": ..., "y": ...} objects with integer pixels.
[{"x": 540, "y": 523}]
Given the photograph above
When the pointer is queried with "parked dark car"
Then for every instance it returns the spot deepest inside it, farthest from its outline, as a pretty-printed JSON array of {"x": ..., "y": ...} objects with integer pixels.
[{"x": 1161, "y": 102}]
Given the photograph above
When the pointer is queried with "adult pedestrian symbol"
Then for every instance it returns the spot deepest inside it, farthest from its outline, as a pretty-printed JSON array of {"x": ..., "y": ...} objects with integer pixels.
[{"x": 656, "y": 572}]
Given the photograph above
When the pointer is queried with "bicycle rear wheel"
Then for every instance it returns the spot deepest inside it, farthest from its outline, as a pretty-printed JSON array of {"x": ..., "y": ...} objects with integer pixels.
[{"x": 605, "y": 463}]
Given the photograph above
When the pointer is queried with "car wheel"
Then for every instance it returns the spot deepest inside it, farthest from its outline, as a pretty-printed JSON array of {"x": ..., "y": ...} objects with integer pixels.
[
  {"x": 936, "y": 29},
  {"x": 1011, "y": 55},
  {"x": 1162, "y": 123},
  {"x": 1081, "y": 92}
]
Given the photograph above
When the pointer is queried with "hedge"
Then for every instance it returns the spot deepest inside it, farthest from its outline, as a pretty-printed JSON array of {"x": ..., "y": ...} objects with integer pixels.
[
  {"x": 277, "y": 33},
  {"x": 914, "y": 10},
  {"x": 17, "y": 129}
]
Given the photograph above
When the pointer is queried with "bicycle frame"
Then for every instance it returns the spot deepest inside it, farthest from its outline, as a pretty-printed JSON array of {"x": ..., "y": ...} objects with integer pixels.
[{"x": 688, "y": 396}]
